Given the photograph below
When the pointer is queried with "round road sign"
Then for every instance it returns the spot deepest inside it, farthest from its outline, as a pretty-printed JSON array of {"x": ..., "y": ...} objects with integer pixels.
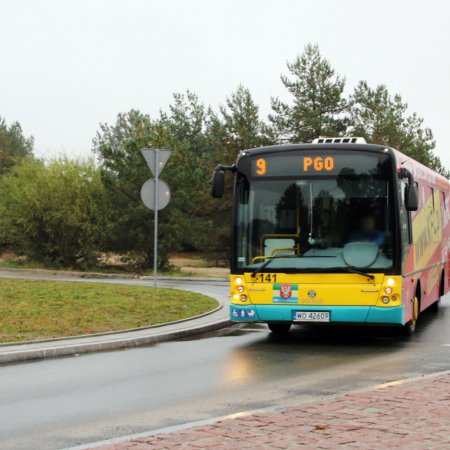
[{"x": 148, "y": 194}]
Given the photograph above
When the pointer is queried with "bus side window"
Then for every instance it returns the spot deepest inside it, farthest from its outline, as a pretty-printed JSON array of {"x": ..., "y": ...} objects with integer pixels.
[
  {"x": 443, "y": 200},
  {"x": 428, "y": 197}
]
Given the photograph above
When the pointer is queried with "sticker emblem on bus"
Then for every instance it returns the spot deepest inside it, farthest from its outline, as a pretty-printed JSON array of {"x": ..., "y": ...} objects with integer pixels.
[
  {"x": 285, "y": 293},
  {"x": 240, "y": 313}
]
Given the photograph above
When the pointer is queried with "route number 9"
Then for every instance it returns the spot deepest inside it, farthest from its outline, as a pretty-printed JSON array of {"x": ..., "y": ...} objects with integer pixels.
[{"x": 261, "y": 166}]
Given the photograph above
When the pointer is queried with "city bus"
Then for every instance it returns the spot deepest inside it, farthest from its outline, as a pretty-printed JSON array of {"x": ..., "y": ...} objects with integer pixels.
[{"x": 335, "y": 231}]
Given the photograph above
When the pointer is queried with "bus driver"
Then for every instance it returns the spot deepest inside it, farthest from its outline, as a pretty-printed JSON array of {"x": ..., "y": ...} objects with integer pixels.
[{"x": 368, "y": 231}]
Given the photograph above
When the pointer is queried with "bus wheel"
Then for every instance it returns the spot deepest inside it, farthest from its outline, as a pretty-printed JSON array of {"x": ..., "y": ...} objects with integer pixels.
[
  {"x": 410, "y": 327},
  {"x": 279, "y": 328}
]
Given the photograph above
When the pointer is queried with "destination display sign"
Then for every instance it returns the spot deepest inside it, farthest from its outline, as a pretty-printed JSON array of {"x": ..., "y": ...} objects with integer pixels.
[{"x": 313, "y": 164}]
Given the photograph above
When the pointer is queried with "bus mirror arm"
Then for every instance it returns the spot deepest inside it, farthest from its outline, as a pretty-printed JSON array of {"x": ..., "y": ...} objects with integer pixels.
[
  {"x": 411, "y": 196},
  {"x": 225, "y": 168},
  {"x": 218, "y": 179}
]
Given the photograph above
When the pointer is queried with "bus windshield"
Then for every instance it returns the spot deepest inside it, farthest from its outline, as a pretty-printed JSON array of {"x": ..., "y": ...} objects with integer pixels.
[{"x": 325, "y": 220}]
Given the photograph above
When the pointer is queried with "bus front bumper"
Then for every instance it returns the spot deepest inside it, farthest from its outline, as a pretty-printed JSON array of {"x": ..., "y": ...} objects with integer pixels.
[{"x": 343, "y": 314}]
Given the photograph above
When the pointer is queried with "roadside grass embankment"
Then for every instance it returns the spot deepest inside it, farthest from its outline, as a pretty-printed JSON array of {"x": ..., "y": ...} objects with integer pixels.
[{"x": 32, "y": 310}]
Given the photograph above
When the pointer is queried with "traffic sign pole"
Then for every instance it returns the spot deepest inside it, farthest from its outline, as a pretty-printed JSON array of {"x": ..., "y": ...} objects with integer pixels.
[
  {"x": 150, "y": 194},
  {"x": 155, "y": 238}
]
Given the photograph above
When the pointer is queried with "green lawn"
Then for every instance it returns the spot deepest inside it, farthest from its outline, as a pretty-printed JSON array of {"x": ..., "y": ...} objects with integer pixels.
[{"x": 46, "y": 309}]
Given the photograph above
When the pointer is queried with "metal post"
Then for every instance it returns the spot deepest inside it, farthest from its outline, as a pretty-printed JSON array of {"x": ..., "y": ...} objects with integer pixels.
[{"x": 155, "y": 240}]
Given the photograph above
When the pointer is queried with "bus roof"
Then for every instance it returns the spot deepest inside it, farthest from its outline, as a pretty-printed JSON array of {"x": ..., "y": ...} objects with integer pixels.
[
  {"x": 313, "y": 146},
  {"x": 420, "y": 171}
]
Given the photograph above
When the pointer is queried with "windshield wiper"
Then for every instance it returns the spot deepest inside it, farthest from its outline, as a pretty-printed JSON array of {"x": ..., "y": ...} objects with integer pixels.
[
  {"x": 267, "y": 262},
  {"x": 349, "y": 269},
  {"x": 352, "y": 269}
]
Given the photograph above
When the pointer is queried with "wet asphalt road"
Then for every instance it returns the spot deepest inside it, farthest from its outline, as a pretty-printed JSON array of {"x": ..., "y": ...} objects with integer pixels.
[{"x": 61, "y": 403}]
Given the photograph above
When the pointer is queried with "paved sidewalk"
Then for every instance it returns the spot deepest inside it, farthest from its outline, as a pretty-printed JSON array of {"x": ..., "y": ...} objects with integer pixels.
[{"x": 406, "y": 415}]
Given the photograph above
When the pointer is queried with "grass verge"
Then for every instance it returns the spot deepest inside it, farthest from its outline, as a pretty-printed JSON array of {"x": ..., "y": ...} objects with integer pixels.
[{"x": 32, "y": 310}]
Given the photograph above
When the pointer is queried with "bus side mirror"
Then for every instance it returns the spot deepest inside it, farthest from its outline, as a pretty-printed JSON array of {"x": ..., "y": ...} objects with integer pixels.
[
  {"x": 411, "y": 198},
  {"x": 218, "y": 183}
]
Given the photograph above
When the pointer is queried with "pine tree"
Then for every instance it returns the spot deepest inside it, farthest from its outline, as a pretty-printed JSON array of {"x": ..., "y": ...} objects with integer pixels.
[
  {"x": 13, "y": 145},
  {"x": 236, "y": 127},
  {"x": 318, "y": 107},
  {"x": 383, "y": 118}
]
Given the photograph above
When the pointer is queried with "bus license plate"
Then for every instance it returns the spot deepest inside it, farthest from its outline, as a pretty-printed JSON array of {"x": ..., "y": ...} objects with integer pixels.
[{"x": 311, "y": 316}]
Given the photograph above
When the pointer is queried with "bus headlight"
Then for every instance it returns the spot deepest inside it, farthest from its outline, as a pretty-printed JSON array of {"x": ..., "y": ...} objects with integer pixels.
[
  {"x": 388, "y": 290},
  {"x": 241, "y": 289},
  {"x": 243, "y": 298},
  {"x": 390, "y": 282},
  {"x": 238, "y": 280},
  {"x": 385, "y": 300},
  {"x": 236, "y": 297}
]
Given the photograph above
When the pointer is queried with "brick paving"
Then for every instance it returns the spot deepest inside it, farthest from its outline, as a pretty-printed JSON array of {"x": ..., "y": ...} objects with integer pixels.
[{"x": 410, "y": 415}]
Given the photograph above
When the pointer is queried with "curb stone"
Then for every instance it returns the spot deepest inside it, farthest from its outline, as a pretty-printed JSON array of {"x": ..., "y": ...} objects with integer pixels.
[
  {"x": 114, "y": 344},
  {"x": 110, "y": 333}
]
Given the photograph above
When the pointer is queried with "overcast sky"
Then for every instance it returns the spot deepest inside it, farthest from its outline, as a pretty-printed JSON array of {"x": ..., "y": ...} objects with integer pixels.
[{"x": 67, "y": 65}]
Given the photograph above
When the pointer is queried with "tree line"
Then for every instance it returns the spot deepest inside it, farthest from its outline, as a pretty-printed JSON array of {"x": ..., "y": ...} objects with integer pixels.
[{"x": 66, "y": 212}]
